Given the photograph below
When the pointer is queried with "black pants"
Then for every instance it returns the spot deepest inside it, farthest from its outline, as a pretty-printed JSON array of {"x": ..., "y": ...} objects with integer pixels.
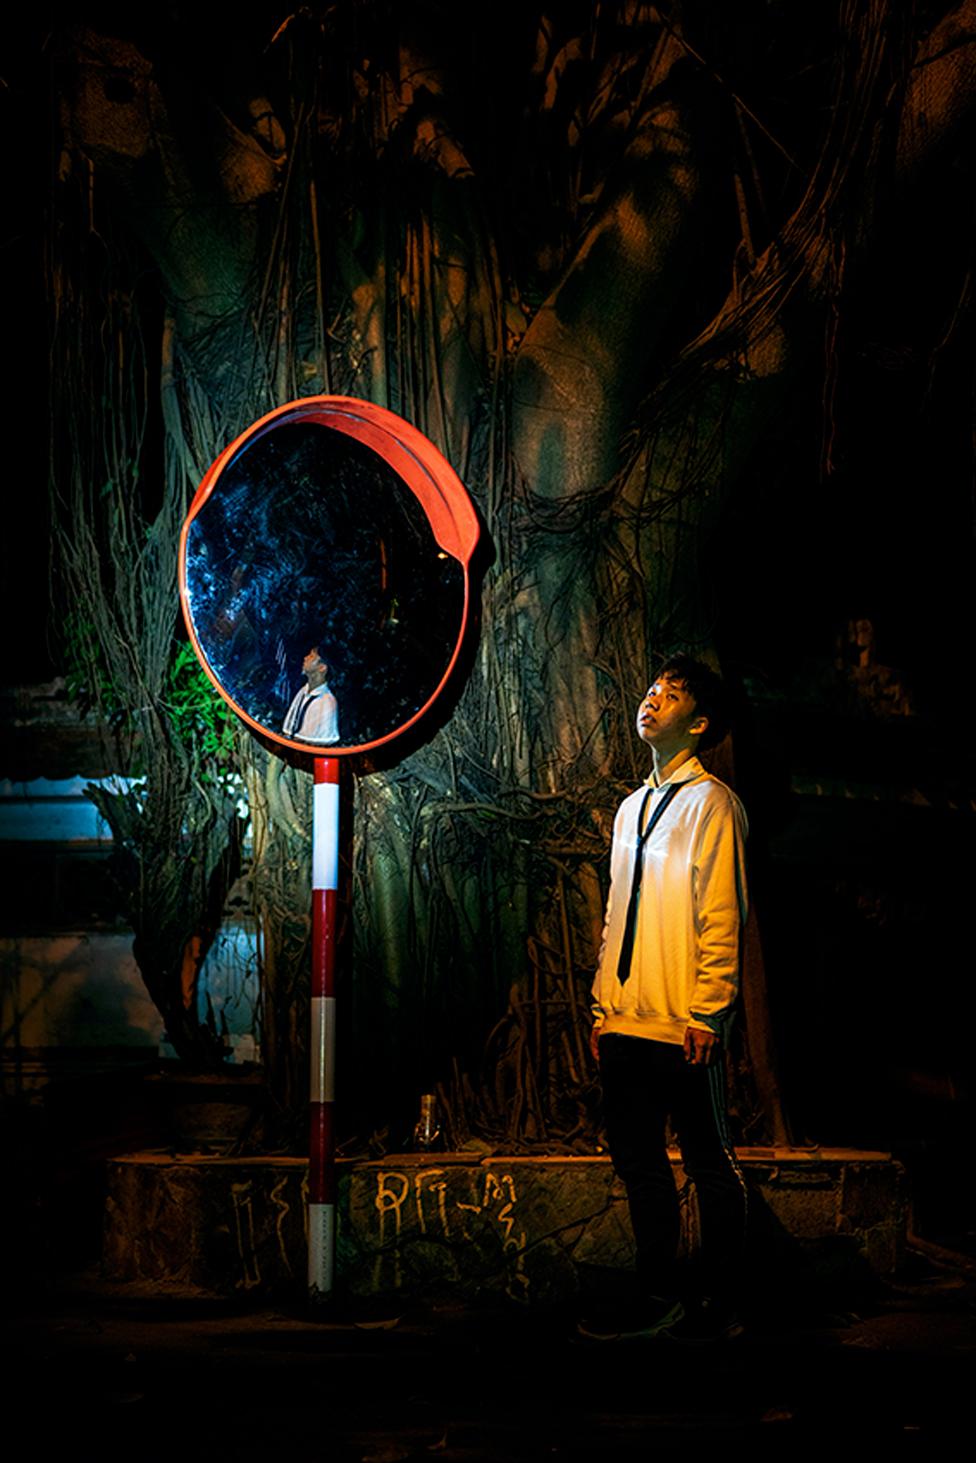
[{"x": 645, "y": 1083}]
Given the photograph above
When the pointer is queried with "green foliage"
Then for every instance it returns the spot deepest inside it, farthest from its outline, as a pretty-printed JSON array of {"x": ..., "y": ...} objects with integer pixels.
[
  {"x": 201, "y": 720},
  {"x": 199, "y": 716}
]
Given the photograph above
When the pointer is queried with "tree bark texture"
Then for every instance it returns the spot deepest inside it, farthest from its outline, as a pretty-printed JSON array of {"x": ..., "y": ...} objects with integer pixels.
[{"x": 599, "y": 299}]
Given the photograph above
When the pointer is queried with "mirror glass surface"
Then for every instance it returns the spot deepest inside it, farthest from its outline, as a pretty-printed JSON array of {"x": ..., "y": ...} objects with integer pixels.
[{"x": 311, "y": 553}]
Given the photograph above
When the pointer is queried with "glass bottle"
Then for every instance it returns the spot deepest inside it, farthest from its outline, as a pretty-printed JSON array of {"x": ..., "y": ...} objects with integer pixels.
[{"x": 427, "y": 1135}]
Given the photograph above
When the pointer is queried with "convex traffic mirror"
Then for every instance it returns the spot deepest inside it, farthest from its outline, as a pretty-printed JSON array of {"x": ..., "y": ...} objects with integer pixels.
[{"x": 324, "y": 574}]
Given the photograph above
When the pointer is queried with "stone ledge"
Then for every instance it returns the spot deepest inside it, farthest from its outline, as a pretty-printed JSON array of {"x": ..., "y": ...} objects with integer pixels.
[{"x": 522, "y": 1226}]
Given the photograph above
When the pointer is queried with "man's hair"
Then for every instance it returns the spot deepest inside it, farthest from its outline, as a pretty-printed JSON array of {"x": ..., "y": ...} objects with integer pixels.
[{"x": 708, "y": 689}]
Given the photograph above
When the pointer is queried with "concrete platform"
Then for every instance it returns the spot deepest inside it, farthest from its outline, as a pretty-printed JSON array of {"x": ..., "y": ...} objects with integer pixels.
[{"x": 526, "y": 1228}]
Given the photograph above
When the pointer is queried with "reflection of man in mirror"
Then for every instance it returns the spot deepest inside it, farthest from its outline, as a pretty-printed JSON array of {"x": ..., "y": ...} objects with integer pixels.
[{"x": 313, "y": 716}]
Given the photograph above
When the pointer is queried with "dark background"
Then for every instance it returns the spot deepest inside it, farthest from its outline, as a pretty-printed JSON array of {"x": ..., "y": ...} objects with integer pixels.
[{"x": 859, "y": 508}]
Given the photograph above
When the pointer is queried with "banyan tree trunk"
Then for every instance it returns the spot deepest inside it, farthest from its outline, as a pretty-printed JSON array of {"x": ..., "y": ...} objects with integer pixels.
[{"x": 341, "y": 239}]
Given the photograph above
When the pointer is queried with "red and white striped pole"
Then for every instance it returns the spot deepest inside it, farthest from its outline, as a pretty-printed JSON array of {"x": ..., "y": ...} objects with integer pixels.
[{"x": 322, "y": 1166}]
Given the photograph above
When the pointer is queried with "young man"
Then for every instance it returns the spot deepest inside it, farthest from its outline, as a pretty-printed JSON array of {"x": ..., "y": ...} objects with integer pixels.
[
  {"x": 313, "y": 715},
  {"x": 663, "y": 997}
]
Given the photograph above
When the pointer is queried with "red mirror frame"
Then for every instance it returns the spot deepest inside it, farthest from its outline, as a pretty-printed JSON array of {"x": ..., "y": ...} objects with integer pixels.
[{"x": 420, "y": 466}]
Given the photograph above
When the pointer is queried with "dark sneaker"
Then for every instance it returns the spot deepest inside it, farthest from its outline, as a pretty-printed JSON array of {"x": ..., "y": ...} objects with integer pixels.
[
  {"x": 635, "y": 1323},
  {"x": 705, "y": 1321}
]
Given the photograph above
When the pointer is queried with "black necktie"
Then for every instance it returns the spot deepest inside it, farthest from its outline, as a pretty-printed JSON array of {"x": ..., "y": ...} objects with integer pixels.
[
  {"x": 301, "y": 715},
  {"x": 630, "y": 927}
]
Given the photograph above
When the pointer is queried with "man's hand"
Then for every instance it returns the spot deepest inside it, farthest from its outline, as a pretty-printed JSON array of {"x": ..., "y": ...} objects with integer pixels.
[
  {"x": 595, "y": 1043},
  {"x": 699, "y": 1046}
]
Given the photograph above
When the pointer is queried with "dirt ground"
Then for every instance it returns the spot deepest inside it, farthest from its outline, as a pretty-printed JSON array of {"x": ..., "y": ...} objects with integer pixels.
[{"x": 106, "y": 1370}]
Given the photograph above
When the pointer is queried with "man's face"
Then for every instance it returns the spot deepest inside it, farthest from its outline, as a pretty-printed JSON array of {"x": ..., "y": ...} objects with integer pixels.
[
  {"x": 314, "y": 665},
  {"x": 667, "y": 718}
]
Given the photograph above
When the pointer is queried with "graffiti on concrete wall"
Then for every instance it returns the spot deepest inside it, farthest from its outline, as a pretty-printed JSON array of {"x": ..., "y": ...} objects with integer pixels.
[
  {"x": 428, "y": 1204},
  {"x": 243, "y": 1200},
  {"x": 264, "y": 1222}
]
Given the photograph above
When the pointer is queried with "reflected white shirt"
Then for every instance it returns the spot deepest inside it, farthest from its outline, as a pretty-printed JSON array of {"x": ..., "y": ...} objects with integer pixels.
[{"x": 313, "y": 716}]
